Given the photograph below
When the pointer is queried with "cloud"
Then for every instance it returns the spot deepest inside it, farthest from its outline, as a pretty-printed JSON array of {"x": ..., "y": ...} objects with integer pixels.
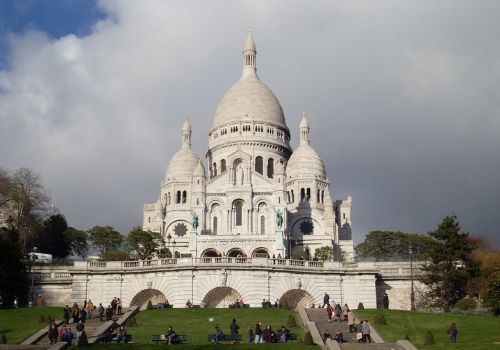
[{"x": 402, "y": 98}]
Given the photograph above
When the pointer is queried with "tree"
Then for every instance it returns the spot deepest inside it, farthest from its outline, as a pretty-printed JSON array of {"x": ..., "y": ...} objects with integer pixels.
[
  {"x": 12, "y": 268},
  {"x": 451, "y": 265},
  {"x": 105, "y": 239},
  {"x": 23, "y": 203},
  {"x": 77, "y": 241},
  {"x": 323, "y": 254},
  {"x": 144, "y": 244},
  {"x": 389, "y": 245},
  {"x": 491, "y": 297},
  {"x": 51, "y": 238}
]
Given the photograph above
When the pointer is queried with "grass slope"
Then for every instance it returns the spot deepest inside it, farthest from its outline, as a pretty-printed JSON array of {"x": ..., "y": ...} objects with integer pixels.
[
  {"x": 19, "y": 324},
  {"x": 198, "y": 323},
  {"x": 474, "y": 332}
]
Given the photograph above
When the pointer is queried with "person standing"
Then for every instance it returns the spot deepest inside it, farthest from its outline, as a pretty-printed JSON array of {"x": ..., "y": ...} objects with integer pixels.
[
  {"x": 329, "y": 312},
  {"x": 326, "y": 299},
  {"x": 101, "y": 311},
  {"x": 79, "y": 329},
  {"x": 233, "y": 327},
  {"x": 250, "y": 335},
  {"x": 66, "y": 314},
  {"x": 119, "y": 306},
  {"x": 365, "y": 329},
  {"x": 385, "y": 301},
  {"x": 258, "y": 333},
  {"x": 351, "y": 321},
  {"x": 452, "y": 332}
]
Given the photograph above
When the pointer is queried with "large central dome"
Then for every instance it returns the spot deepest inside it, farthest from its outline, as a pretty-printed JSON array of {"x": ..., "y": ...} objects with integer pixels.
[{"x": 249, "y": 99}]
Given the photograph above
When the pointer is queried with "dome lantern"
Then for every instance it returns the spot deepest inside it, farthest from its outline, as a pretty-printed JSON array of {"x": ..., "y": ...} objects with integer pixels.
[
  {"x": 186, "y": 133},
  {"x": 249, "y": 56}
]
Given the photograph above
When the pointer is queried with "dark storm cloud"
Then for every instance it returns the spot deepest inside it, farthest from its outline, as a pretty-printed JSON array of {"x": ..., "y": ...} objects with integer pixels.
[{"x": 402, "y": 99}]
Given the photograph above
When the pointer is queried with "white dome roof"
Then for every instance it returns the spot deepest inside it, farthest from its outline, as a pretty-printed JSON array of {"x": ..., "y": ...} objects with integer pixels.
[
  {"x": 305, "y": 162},
  {"x": 199, "y": 170},
  {"x": 251, "y": 100},
  {"x": 182, "y": 164}
]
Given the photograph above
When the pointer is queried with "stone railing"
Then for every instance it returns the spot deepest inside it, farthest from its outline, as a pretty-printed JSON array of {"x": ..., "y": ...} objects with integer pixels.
[{"x": 49, "y": 276}]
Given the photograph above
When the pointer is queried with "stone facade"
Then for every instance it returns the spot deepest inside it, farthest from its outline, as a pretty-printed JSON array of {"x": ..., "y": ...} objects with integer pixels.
[{"x": 259, "y": 197}]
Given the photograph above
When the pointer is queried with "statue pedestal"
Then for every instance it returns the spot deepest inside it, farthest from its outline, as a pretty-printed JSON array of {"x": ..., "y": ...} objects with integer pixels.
[
  {"x": 193, "y": 243},
  {"x": 280, "y": 246}
]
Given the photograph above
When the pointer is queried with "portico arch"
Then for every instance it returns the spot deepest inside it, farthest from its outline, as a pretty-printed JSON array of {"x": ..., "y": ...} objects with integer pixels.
[
  {"x": 210, "y": 253},
  {"x": 141, "y": 299},
  {"x": 260, "y": 253},
  {"x": 221, "y": 297},
  {"x": 296, "y": 297},
  {"x": 236, "y": 253}
]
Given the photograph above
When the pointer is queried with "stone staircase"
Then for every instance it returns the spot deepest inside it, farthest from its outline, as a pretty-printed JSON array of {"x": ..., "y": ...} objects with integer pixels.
[{"x": 320, "y": 318}]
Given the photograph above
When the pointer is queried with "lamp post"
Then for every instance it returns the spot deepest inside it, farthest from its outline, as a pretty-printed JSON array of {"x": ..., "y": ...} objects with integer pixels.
[
  {"x": 412, "y": 291},
  {"x": 32, "y": 258},
  {"x": 169, "y": 237}
]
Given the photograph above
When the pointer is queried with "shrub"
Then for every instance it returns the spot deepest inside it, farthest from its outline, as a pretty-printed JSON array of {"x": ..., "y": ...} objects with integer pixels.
[
  {"x": 291, "y": 321},
  {"x": 3, "y": 339},
  {"x": 465, "y": 304},
  {"x": 429, "y": 338},
  {"x": 361, "y": 306},
  {"x": 149, "y": 306},
  {"x": 41, "y": 319},
  {"x": 407, "y": 337},
  {"x": 308, "y": 340},
  {"x": 83, "y": 341},
  {"x": 380, "y": 319},
  {"x": 131, "y": 322}
]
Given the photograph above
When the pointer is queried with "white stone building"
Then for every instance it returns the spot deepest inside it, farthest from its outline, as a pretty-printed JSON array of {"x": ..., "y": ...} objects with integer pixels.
[{"x": 256, "y": 196}]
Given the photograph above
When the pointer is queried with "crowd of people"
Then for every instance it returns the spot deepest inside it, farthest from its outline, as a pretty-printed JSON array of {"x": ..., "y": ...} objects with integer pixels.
[{"x": 259, "y": 334}]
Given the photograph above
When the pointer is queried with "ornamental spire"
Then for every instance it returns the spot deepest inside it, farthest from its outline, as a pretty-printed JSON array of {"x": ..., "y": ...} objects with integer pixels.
[
  {"x": 249, "y": 56},
  {"x": 304, "y": 130}
]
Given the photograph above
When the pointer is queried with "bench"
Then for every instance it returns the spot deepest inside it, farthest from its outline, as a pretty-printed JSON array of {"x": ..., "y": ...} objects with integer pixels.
[
  {"x": 289, "y": 337},
  {"x": 159, "y": 338},
  {"x": 162, "y": 306},
  {"x": 233, "y": 338},
  {"x": 231, "y": 306}
]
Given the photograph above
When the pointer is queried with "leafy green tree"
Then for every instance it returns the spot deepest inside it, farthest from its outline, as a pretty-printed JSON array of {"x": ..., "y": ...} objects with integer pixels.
[
  {"x": 51, "y": 237},
  {"x": 12, "y": 268},
  {"x": 115, "y": 255},
  {"x": 451, "y": 264},
  {"x": 491, "y": 297},
  {"x": 77, "y": 241},
  {"x": 105, "y": 239},
  {"x": 323, "y": 254},
  {"x": 144, "y": 244},
  {"x": 389, "y": 245}
]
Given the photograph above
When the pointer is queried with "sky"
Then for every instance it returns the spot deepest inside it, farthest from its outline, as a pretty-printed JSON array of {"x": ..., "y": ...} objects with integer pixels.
[{"x": 402, "y": 98}]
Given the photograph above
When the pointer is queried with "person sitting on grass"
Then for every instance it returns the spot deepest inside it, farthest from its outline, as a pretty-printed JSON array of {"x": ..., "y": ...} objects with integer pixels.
[
  {"x": 283, "y": 333},
  {"x": 268, "y": 334},
  {"x": 189, "y": 303},
  {"x": 170, "y": 335},
  {"x": 53, "y": 333},
  {"x": 327, "y": 335},
  {"x": 217, "y": 335},
  {"x": 68, "y": 336},
  {"x": 110, "y": 335},
  {"x": 122, "y": 335}
]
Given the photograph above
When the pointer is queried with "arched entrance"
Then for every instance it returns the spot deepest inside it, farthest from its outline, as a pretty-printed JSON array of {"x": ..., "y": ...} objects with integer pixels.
[
  {"x": 210, "y": 253},
  {"x": 236, "y": 253},
  {"x": 141, "y": 299},
  {"x": 221, "y": 297},
  {"x": 260, "y": 253},
  {"x": 296, "y": 297}
]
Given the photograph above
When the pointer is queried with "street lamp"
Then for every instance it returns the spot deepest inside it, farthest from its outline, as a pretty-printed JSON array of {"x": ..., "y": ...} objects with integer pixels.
[{"x": 412, "y": 291}]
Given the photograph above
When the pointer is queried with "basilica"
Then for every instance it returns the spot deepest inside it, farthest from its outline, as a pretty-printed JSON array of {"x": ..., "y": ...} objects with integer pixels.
[{"x": 253, "y": 196}]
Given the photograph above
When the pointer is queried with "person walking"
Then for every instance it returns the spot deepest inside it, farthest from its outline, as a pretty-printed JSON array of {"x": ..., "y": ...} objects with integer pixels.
[
  {"x": 326, "y": 299},
  {"x": 329, "y": 312},
  {"x": 351, "y": 321},
  {"x": 365, "y": 329},
  {"x": 452, "y": 332}
]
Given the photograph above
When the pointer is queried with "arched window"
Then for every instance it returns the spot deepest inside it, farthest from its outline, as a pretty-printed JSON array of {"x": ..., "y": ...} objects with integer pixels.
[
  {"x": 293, "y": 197},
  {"x": 184, "y": 196},
  {"x": 197, "y": 201},
  {"x": 323, "y": 196},
  {"x": 178, "y": 198},
  {"x": 259, "y": 165},
  {"x": 262, "y": 224},
  {"x": 302, "y": 194},
  {"x": 318, "y": 200},
  {"x": 270, "y": 168},
  {"x": 215, "y": 169},
  {"x": 222, "y": 165},
  {"x": 214, "y": 225},
  {"x": 308, "y": 196},
  {"x": 238, "y": 207}
]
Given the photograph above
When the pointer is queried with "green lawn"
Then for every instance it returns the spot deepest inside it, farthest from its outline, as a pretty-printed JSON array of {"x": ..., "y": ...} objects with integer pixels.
[
  {"x": 198, "y": 323},
  {"x": 134, "y": 346},
  {"x": 474, "y": 332},
  {"x": 19, "y": 324}
]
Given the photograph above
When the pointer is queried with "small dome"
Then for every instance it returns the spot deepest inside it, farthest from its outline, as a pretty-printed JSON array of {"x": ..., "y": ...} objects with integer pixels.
[
  {"x": 304, "y": 123},
  {"x": 250, "y": 100},
  {"x": 199, "y": 170},
  {"x": 186, "y": 126},
  {"x": 182, "y": 164},
  {"x": 249, "y": 43},
  {"x": 305, "y": 162}
]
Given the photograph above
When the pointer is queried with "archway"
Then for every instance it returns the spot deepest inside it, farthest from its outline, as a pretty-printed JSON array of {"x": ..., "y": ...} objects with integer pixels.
[
  {"x": 296, "y": 297},
  {"x": 141, "y": 299},
  {"x": 221, "y": 297},
  {"x": 210, "y": 253},
  {"x": 236, "y": 253},
  {"x": 260, "y": 253}
]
